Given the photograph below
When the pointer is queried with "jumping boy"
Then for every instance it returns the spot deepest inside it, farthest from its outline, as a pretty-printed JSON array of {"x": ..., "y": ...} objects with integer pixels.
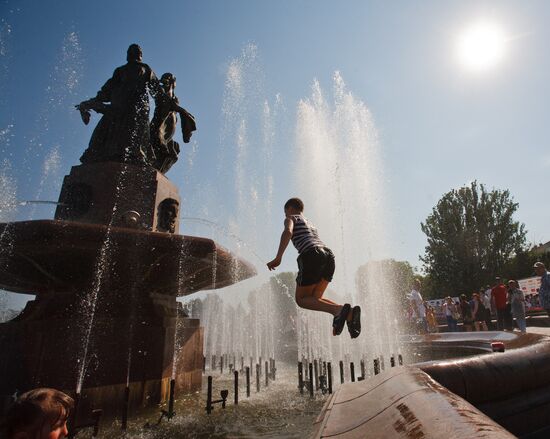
[{"x": 316, "y": 268}]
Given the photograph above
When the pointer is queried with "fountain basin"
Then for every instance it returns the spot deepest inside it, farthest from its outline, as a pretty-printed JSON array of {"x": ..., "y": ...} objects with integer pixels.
[
  {"x": 494, "y": 395},
  {"x": 60, "y": 256},
  {"x": 105, "y": 316}
]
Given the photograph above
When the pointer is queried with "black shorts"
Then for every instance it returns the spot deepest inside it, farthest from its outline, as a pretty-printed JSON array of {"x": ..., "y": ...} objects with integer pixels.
[{"x": 315, "y": 264}]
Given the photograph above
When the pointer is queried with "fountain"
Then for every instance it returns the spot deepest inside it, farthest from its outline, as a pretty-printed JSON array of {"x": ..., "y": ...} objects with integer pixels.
[{"x": 107, "y": 270}]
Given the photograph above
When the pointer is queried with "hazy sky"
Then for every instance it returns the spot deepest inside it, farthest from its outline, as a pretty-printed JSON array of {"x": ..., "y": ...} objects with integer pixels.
[{"x": 440, "y": 123}]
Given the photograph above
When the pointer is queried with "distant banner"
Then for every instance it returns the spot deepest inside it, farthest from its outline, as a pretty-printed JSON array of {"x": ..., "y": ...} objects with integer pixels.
[{"x": 530, "y": 285}]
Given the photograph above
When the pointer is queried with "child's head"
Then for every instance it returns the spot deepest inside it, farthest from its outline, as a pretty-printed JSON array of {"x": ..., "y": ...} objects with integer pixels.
[
  {"x": 39, "y": 414},
  {"x": 294, "y": 206}
]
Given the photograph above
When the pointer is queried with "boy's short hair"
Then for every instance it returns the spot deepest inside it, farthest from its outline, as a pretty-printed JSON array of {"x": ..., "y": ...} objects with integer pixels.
[
  {"x": 35, "y": 409},
  {"x": 295, "y": 203}
]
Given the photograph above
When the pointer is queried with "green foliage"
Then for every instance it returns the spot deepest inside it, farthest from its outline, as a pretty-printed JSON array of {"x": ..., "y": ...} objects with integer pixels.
[
  {"x": 472, "y": 236},
  {"x": 521, "y": 265}
]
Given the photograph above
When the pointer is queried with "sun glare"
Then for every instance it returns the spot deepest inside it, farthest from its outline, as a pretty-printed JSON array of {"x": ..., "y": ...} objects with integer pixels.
[{"x": 481, "y": 46}]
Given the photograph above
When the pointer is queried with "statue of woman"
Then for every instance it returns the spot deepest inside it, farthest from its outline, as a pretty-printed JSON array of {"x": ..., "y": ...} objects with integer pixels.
[
  {"x": 122, "y": 134},
  {"x": 163, "y": 125}
]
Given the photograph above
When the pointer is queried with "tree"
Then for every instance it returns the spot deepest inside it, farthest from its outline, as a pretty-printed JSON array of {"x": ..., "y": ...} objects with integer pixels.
[{"x": 471, "y": 236}]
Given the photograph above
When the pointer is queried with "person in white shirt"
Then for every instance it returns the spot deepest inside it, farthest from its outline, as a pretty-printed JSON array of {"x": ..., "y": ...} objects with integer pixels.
[
  {"x": 485, "y": 297},
  {"x": 417, "y": 303}
]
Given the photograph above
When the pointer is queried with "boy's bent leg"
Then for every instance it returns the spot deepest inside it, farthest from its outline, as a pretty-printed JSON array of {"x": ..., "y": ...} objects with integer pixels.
[
  {"x": 305, "y": 299},
  {"x": 319, "y": 290}
]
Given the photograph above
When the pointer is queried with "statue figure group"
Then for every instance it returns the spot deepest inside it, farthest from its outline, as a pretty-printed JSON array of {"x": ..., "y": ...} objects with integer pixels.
[{"x": 124, "y": 133}]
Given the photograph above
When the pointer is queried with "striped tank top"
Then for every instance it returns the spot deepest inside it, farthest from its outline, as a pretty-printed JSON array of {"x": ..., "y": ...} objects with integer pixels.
[{"x": 304, "y": 235}]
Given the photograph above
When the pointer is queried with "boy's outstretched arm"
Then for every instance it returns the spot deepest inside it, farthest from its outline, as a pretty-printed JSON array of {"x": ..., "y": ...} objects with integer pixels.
[{"x": 285, "y": 239}]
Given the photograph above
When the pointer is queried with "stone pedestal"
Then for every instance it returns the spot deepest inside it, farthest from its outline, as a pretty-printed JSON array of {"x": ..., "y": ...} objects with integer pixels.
[{"x": 102, "y": 193}]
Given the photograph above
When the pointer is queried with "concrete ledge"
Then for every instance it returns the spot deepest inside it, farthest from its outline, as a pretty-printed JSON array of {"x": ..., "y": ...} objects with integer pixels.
[{"x": 402, "y": 403}]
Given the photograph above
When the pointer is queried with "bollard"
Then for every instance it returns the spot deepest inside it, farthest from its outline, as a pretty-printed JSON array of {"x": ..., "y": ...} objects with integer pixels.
[
  {"x": 274, "y": 370},
  {"x": 125, "y": 408},
  {"x": 266, "y": 374},
  {"x": 376, "y": 362},
  {"x": 329, "y": 373},
  {"x": 247, "y": 382},
  {"x": 209, "y": 395},
  {"x": 341, "y": 372},
  {"x": 352, "y": 371},
  {"x": 392, "y": 361},
  {"x": 221, "y": 365},
  {"x": 258, "y": 377},
  {"x": 170, "y": 414},
  {"x": 311, "y": 380},
  {"x": 316, "y": 376},
  {"x": 203, "y": 363},
  {"x": 362, "y": 365},
  {"x": 382, "y": 364},
  {"x": 236, "y": 387},
  {"x": 301, "y": 377},
  {"x": 71, "y": 422},
  {"x": 400, "y": 359}
]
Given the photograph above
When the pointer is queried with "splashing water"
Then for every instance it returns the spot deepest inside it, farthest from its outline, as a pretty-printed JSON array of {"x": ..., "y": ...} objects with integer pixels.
[{"x": 337, "y": 170}]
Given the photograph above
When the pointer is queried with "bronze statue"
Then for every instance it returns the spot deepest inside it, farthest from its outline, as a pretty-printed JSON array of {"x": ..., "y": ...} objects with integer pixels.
[
  {"x": 122, "y": 134},
  {"x": 163, "y": 125}
]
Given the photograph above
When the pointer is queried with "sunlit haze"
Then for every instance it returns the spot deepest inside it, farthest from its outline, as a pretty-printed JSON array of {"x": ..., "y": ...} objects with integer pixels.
[{"x": 481, "y": 46}]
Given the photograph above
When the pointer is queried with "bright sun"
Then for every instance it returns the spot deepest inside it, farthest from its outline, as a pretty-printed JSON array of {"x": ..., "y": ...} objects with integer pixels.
[{"x": 481, "y": 46}]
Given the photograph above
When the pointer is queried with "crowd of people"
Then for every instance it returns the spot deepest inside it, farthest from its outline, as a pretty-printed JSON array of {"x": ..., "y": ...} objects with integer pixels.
[{"x": 505, "y": 301}]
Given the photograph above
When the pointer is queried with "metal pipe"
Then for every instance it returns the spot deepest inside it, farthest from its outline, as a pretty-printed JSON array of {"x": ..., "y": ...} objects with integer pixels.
[
  {"x": 247, "y": 382},
  {"x": 329, "y": 373},
  {"x": 376, "y": 362},
  {"x": 341, "y": 372},
  {"x": 236, "y": 389},
  {"x": 301, "y": 377},
  {"x": 72, "y": 418},
  {"x": 310, "y": 380},
  {"x": 209, "y": 395},
  {"x": 258, "y": 367},
  {"x": 125, "y": 407},
  {"x": 352, "y": 371},
  {"x": 316, "y": 376},
  {"x": 171, "y": 398}
]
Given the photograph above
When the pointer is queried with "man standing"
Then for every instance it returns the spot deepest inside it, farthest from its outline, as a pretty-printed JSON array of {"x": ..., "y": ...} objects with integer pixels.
[
  {"x": 544, "y": 290},
  {"x": 485, "y": 296},
  {"x": 418, "y": 304},
  {"x": 498, "y": 294}
]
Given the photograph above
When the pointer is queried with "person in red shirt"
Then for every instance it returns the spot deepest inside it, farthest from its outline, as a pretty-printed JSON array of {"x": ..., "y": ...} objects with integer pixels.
[{"x": 499, "y": 296}]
